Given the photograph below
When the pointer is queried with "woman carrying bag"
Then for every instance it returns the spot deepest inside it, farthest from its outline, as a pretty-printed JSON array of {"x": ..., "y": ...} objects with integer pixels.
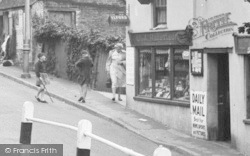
[{"x": 116, "y": 69}]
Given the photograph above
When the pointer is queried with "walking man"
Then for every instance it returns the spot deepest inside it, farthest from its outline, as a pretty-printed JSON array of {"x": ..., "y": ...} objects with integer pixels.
[
  {"x": 42, "y": 77},
  {"x": 84, "y": 66}
]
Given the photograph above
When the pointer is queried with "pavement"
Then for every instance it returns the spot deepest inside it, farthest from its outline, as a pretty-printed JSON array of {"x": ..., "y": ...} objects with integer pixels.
[{"x": 100, "y": 104}]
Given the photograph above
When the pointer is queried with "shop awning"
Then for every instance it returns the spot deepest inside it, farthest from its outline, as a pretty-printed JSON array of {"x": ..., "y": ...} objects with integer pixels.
[
  {"x": 118, "y": 19},
  {"x": 145, "y": 1}
]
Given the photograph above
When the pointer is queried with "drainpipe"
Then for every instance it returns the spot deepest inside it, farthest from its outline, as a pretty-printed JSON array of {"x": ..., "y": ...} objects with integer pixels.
[{"x": 26, "y": 45}]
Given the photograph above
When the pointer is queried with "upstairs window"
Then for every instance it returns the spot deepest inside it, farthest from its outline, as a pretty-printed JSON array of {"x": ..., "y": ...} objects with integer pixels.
[{"x": 160, "y": 12}]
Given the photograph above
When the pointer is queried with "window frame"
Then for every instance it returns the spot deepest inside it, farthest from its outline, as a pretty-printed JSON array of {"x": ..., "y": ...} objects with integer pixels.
[
  {"x": 64, "y": 10},
  {"x": 247, "y": 89},
  {"x": 153, "y": 99},
  {"x": 155, "y": 7}
]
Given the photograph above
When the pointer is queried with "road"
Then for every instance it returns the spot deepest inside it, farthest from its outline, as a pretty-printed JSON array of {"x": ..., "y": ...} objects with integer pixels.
[{"x": 13, "y": 95}]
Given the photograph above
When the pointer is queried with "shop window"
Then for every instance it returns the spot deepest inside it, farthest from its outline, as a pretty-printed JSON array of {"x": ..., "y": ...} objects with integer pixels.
[
  {"x": 162, "y": 70},
  {"x": 160, "y": 12},
  {"x": 145, "y": 75},
  {"x": 164, "y": 73},
  {"x": 248, "y": 85},
  {"x": 181, "y": 74}
]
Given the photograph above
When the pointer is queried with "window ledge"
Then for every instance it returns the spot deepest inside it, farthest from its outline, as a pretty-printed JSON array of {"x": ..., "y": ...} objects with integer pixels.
[
  {"x": 246, "y": 121},
  {"x": 163, "y": 101}
]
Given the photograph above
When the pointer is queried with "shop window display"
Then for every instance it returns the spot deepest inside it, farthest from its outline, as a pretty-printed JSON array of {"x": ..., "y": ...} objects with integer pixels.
[
  {"x": 145, "y": 87},
  {"x": 166, "y": 76},
  {"x": 162, "y": 70},
  {"x": 181, "y": 74}
]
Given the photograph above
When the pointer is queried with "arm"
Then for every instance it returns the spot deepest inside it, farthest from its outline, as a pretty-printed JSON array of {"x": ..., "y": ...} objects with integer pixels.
[
  {"x": 37, "y": 70},
  {"x": 109, "y": 61}
]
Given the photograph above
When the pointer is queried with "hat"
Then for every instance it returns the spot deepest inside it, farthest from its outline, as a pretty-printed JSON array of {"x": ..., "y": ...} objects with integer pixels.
[
  {"x": 40, "y": 55},
  {"x": 118, "y": 45}
]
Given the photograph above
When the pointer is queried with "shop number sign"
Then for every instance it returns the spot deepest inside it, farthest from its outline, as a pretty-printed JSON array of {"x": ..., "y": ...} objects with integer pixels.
[
  {"x": 199, "y": 114},
  {"x": 197, "y": 62}
]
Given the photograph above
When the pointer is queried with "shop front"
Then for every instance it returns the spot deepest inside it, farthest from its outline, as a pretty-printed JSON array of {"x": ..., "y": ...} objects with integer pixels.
[
  {"x": 161, "y": 78},
  {"x": 240, "y": 98}
]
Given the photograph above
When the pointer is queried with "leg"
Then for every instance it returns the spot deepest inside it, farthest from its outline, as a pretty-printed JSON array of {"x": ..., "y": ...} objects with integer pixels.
[
  {"x": 38, "y": 94},
  {"x": 42, "y": 94},
  {"x": 84, "y": 91},
  {"x": 81, "y": 93},
  {"x": 119, "y": 93},
  {"x": 113, "y": 92}
]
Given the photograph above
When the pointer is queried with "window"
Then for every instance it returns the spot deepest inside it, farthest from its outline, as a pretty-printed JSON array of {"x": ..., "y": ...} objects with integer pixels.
[
  {"x": 145, "y": 83},
  {"x": 160, "y": 12},
  {"x": 164, "y": 73},
  {"x": 181, "y": 74},
  {"x": 248, "y": 85},
  {"x": 162, "y": 70},
  {"x": 67, "y": 17}
]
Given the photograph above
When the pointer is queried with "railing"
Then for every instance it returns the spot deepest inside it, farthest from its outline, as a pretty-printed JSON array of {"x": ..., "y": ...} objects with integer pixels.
[{"x": 84, "y": 134}]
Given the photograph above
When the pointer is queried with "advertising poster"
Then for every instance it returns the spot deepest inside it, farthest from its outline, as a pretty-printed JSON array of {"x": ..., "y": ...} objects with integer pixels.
[
  {"x": 197, "y": 62},
  {"x": 198, "y": 104}
]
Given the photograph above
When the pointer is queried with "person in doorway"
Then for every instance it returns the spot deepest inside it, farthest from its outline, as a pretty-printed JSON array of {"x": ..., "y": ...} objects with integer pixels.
[
  {"x": 42, "y": 77},
  {"x": 84, "y": 66},
  {"x": 116, "y": 69}
]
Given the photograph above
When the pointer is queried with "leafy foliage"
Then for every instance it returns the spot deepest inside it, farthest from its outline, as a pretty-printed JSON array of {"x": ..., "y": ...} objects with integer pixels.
[
  {"x": 50, "y": 31},
  {"x": 244, "y": 28}
]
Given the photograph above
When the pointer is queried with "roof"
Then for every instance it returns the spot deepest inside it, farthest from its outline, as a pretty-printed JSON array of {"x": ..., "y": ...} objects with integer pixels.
[{"x": 6, "y": 4}]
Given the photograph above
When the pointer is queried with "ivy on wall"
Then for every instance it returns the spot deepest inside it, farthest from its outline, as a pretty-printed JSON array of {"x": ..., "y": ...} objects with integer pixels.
[{"x": 49, "y": 31}]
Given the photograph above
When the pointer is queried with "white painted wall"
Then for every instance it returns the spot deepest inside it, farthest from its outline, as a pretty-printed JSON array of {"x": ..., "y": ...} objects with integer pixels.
[
  {"x": 140, "y": 16},
  {"x": 179, "y": 12},
  {"x": 240, "y": 13}
]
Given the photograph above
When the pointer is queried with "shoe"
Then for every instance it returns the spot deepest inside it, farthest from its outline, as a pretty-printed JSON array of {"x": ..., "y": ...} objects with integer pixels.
[
  {"x": 119, "y": 99},
  {"x": 113, "y": 99},
  {"x": 80, "y": 99},
  {"x": 43, "y": 101},
  {"x": 37, "y": 98}
]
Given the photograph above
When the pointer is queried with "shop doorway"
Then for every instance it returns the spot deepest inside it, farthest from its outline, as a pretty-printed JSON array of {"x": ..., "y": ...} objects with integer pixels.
[{"x": 224, "y": 132}]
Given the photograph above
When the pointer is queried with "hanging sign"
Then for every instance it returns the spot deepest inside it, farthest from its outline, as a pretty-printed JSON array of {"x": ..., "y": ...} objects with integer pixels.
[
  {"x": 197, "y": 62},
  {"x": 213, "y": 27},
  {"x": 118, "y": 19},
  {"x": 198, "y": 104},
  {"x": 145, "y": 1}
]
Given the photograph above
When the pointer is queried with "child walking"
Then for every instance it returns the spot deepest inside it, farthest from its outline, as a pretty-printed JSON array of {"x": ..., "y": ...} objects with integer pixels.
[
  {"x": 84, "y": 66},
  {"x": 41, "y": 77}
]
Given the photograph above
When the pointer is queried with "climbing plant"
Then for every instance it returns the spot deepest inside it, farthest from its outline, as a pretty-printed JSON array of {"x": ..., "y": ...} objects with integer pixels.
[{"x": 46, "y": 30}]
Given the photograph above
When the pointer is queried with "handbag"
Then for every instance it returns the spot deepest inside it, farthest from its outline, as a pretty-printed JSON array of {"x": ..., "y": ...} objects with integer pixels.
[{"x": 108, "y": 83}]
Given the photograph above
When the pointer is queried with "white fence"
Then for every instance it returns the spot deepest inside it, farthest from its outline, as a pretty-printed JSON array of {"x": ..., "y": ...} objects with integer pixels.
[{"x": 84, "y": 134}]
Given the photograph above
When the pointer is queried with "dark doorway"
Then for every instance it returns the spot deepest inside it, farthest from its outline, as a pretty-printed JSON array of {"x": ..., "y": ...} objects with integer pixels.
[{"x": 224, "y": 132}]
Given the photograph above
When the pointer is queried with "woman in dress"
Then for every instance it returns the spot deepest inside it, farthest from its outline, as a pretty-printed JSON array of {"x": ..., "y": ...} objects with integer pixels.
[{"x": 116, "y": 69}]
